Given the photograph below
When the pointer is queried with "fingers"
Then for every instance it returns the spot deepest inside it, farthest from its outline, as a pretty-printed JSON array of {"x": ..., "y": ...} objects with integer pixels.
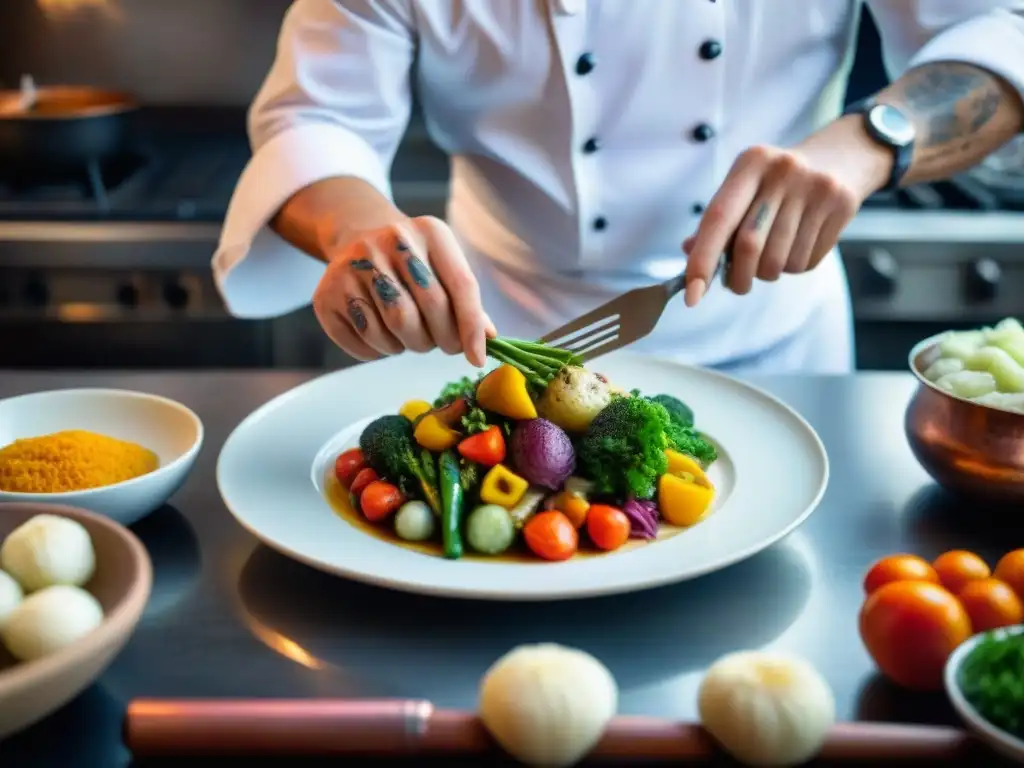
[
  {"x": 721, "y": 219},
  {"x": 460, "y": 284},
  {"x": 411, "y": 259},
  {"x": 345, "y": 330}
]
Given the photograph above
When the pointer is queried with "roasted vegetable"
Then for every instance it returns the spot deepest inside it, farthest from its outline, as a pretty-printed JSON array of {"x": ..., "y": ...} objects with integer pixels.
[
  {"x": 623, "y": 450},
  {"x": 413, "y": 409},
  {"x": 464, "y": 387},
  {"x": 689, "y": 441},
  {"x": 542, "y": 453},
  {"x": 389, "y": 449},
  {"x": 678, "y": 411},
  {"x": 503, "y": 487},
  {"x": 451, "y": 504},
  {"x": 684, "y": 500},
  {"x": 489, "y": 529},
  {"x": 504, "y": 391},
  {"x": 434, "y": 434},
  {"x": 537, "y": 362},
  {"x": 526, "y": 507},
  {"x": 475, "y": 421},
  {"x": 573, "y": 398}
]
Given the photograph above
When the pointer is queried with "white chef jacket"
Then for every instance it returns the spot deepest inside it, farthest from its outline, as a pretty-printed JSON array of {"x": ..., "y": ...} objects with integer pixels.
[{"x": 584, "y": 137}]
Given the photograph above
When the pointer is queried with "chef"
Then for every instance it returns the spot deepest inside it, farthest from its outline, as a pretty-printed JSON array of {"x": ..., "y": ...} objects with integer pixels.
[{"x": 597, "y": 146}]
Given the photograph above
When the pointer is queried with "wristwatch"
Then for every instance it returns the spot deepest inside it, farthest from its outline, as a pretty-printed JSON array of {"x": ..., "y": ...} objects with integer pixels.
[{"x": 888, "y": 126}]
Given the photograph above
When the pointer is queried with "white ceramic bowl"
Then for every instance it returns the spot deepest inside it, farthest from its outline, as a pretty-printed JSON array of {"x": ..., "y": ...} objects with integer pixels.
[
  {"x": 165, "y": 427},
  {"x": 1002, "y": 742}
]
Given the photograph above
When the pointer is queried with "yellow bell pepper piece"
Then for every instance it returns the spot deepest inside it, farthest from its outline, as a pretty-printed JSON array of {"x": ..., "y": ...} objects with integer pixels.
[
  {"x": 413, "y": 409},
  {"x": 680, "y": 463},
  {"x": 503, "y": 487},
  {"x": 504, "y": 391},
  {"x": 434, "y": 435},
  {"x": 684, "y": 499},
  {"x": 573, "y": 506}
]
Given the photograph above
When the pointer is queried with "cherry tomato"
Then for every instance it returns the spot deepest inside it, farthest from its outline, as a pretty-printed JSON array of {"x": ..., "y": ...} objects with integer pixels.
[
  {"x": 348, "y": 465},
  {"x": 957, "y": 567},
  {"x": 363, "y": 479},
  {"x": 379, "y": 499},
  {"x": 910, "y": 628},
  {"x": 898, "y": 568},
  {"x": 1010, "y": 570},
  {"x": 551, "y": 536},
  {"x": 991, "y": 604},
  {"x": 607, "y": 526}
]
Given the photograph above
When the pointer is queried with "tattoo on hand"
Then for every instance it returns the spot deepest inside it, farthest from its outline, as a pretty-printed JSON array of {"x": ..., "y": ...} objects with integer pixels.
[
  {"x": 357, "y": 314},
  {"x": 362, "y": 265},
  {"x": 386, "y": 289},
  {"x": 418, "y": 271},
  {"x": 401, "y": 246},
  {"x": 761, "y": 217}
]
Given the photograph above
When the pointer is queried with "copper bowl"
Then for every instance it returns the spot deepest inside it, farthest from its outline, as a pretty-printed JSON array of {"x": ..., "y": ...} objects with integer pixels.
[{"x": 969, "y": 449}]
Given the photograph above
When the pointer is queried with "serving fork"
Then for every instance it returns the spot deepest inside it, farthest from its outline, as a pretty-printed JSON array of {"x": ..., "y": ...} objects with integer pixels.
[{"x": 624, "y": 319}]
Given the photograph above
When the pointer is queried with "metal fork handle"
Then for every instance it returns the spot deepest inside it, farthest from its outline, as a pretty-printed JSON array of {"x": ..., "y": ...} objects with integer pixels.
[{"x": 678, "y": 283}]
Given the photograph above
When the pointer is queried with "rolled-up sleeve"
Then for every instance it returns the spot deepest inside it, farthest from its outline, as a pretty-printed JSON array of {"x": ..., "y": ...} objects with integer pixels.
[
  {"x": 336, "y": 102},
  {"x": 986, "y": 33}
]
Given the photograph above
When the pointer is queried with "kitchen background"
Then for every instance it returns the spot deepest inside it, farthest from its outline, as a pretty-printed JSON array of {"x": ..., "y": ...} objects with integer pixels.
[{"x": 108, "y": 266}]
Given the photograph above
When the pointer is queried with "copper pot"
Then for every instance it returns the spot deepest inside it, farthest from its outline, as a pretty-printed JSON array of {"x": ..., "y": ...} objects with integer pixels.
[{"x": 970, "y": 449}]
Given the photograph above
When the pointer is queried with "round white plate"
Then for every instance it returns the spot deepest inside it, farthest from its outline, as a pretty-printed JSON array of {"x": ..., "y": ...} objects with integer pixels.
[{"x": 772, "y": 475}]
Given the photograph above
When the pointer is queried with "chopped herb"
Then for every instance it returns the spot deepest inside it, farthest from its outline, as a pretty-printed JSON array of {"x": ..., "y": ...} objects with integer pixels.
[{"x": 992, "y": 680}]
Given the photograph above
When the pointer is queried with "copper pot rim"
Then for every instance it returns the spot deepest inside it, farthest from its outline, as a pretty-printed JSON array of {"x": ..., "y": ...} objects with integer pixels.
[
  {"x": 927, "y": 345},
  {"x": 74, "y": 103}
]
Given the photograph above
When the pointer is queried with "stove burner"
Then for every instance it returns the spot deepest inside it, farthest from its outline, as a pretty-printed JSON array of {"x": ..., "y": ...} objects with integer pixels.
[
  {"x": 962, "y": 193},
  {"x": 94, "y": 182}
]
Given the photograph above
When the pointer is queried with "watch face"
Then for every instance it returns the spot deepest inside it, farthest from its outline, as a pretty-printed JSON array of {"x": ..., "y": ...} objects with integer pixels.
[{"x": 891, "y": 125}]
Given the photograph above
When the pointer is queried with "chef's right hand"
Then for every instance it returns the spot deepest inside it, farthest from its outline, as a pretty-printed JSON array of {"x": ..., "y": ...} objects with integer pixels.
[{"x": 405, "y": 286}]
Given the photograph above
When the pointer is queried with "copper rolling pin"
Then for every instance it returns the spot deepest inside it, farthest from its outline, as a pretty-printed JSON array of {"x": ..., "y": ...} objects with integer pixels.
[{"x": 294, "y": 728}]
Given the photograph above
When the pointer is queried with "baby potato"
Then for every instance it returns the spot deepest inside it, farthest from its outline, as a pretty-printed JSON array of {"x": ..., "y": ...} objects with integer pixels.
[{"x": 573, "y": 398}]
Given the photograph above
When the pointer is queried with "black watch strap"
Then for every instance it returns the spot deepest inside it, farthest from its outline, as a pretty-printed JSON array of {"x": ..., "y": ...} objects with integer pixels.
[{"x": 902, "y": 152}]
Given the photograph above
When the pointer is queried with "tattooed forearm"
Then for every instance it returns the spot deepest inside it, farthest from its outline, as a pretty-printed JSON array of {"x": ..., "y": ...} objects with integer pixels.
[{"x": 962, "y": 113}]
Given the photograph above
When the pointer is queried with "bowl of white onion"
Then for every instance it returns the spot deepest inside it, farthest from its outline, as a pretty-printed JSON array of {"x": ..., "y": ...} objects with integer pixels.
[
  {"x": 73, "y": 585},
  {"x": 965, "y": 422}
]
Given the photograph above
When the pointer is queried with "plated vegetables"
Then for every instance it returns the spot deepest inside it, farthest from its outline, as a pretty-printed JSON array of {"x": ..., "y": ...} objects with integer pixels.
[
  {"x": 540, "y": 453},
  {"x": 985, "y": 366}
]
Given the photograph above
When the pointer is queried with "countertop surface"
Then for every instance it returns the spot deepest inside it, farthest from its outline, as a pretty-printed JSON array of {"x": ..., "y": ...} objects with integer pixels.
[{"x": 230, "y": 618}]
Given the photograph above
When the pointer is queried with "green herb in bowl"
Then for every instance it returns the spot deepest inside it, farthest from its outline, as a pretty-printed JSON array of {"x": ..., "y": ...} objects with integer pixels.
[{"x": 991, "y": 679}]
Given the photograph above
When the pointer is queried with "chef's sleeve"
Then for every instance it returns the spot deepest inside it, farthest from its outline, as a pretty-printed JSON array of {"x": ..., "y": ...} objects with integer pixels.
[
  {"x": 986, "y": 33},
  {"x": 336, "y": 102}
]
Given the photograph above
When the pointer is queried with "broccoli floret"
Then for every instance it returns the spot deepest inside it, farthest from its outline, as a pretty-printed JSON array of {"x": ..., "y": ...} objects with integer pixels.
[
  {"x": 388, "y": 447},
  {"x": 475, "y": 421},
  {"x": 453, "y": 390},
  {"x": 678, "y": 411},
  {"x": 691, "y": 442},
  {"x": 623, "y": 449}
]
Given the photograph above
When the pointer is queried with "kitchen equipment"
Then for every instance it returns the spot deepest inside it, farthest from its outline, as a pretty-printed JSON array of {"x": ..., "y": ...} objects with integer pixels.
[
  {"x": 67, "y": 127},
  {"x": 277, "y": 458},
  {"x": 165, "y": 427},
  {"x": 967, "y": 448},
  {"x": 1002, "y": 742},
  {"x": 622, "y": 320},
  {"x": 29, "y": 691},
  {"x": 291, "y": 728}
]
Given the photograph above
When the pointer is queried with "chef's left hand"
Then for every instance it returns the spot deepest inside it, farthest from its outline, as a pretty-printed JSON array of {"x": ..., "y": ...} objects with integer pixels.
[{"x": 782, "y": 210}]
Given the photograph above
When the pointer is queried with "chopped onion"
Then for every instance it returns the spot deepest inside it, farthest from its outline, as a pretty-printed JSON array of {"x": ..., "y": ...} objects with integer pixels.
[{"x": 643, "y": 518}]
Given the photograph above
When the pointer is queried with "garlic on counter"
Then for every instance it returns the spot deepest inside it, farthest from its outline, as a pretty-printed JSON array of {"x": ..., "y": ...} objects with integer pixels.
[
  {"x": 547, "y": 705},
  {"x": 766, "y": 709},
  {"x": 49, "y": 620},
  {"x": 10, "y": 597},
  {"x": 48, "y": 550}
]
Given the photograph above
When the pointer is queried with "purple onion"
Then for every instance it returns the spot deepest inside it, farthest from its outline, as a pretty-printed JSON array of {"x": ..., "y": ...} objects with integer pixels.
[
  {"x": 542, "y": 453},
  {"x": 643, "y": 518}
]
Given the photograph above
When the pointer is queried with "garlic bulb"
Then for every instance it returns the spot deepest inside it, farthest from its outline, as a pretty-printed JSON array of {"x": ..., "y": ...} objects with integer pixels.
[
  {"x": 766, "y": 709},
  {"x": 10, "y": 597},
  {"x": 48, "y": 550},
  {"x": 50, "y": 619},
  {"x": 547, "y": 705}
]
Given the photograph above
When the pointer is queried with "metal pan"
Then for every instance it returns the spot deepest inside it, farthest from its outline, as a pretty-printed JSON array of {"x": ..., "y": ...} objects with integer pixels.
[{"x": 62, "y": 126}]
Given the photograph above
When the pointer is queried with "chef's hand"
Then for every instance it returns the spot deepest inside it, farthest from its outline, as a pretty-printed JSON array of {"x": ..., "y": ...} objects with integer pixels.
[
  {"x": 785, "y": 208},
  {"x": 406, "y": 286}
]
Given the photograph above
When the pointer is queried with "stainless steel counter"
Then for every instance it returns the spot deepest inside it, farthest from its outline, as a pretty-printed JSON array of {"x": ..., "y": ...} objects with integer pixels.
[{"x": 231, "y": 618}]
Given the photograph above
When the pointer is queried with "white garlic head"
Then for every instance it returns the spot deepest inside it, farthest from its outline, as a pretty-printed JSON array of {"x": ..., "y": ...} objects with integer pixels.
[
  {"x": 547, "y": 705},
  {"x": 50, "y": 619},
  {"x": 766, "y": 709},
  {"x": 10, "y": 597},
  {"x": 48, "y": 550}
]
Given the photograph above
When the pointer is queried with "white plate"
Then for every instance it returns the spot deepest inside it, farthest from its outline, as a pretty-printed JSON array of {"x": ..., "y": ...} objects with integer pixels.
[
  {"x": 774, "y": 472},
  {"x": 169, "y": 429}
]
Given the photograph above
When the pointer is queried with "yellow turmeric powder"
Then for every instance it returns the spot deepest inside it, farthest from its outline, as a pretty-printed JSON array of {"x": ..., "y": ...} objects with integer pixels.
[{"x": 71, "y": 461}]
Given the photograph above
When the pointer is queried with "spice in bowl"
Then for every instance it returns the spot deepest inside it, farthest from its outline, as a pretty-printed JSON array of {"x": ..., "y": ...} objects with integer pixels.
[
  {"x": 991, "y": 679},
  {"x": 74, "y": 460}
]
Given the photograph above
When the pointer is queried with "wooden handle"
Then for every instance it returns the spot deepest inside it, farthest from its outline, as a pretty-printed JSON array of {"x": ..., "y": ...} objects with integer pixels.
[{"x": 293, "y": 728}]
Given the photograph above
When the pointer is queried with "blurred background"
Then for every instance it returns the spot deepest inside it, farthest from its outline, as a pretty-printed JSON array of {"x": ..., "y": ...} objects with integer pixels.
[{"x": 104, "y": 255}]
